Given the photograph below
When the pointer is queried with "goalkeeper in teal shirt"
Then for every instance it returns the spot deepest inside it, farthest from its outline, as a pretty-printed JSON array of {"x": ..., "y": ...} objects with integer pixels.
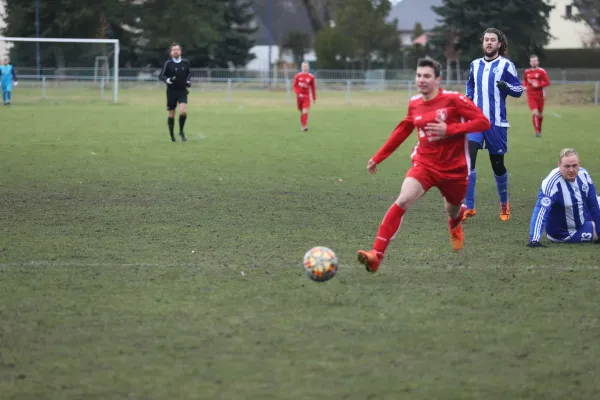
[{"x": 7, "y": 78}]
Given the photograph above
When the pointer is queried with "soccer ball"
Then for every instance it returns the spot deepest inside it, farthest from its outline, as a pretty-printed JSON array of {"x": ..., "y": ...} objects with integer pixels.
[{"x": 320, "y": 264}]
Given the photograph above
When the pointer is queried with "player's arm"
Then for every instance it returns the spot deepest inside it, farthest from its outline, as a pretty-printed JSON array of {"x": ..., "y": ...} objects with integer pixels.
[
  {"x": 313, "y": 89},
  {"x": 188, "y": 78},
  {"x": 539, "y": 219},
  {"x": 473, "y": 119},
  {"x": 592, "y": 205},
  {"x": 163, "y": 74},
  {"x": 14, "y": 75},
  {"x": 510, "y": 83},
  {"x": 545, "y": 81},
  {"x": 399, "y": 135},
  {"x": 471, "y": 84},
  {"x": 525, "y": 82},
  {"x": 295, "y": 84}
]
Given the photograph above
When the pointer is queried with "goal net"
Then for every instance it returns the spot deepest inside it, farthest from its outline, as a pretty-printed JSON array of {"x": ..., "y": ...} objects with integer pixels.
[{"x": 63, "y": 69}]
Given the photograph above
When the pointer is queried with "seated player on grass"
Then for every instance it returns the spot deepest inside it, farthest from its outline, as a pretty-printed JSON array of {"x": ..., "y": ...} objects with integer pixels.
[{"x": 568, "y": 206}]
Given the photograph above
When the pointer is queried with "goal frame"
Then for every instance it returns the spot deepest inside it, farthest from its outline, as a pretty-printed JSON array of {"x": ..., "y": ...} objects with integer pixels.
[{"x": 114, "y": 42}]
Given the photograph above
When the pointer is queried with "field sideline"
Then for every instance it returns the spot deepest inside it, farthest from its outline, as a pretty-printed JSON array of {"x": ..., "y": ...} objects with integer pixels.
[{"x": 132, "y": 267}]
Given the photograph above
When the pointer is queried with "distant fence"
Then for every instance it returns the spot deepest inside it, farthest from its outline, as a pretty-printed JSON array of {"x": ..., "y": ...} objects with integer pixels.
[
  {"x": 575, "y": 86},
  {"x": 223, "y": 75}
]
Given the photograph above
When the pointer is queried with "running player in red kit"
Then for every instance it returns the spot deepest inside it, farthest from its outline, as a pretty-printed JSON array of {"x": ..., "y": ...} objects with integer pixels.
[
  {"x": 440, "y": 159},
  {"x": 304, "y": 83},
  {"x": 536, "y": 79}
]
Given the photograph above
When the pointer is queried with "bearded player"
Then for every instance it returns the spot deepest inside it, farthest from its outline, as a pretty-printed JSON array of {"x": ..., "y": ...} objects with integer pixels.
[
  {"x": 304, "y": 83},
  {"x": 492, "y": 78},
  {"x": 440, "y": 159},
  {"x": 535, "y": 80}
]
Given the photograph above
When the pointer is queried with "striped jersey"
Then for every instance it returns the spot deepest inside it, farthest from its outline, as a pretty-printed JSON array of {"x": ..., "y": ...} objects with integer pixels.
[
  {"x": 563, "y": 206},
  {"x": 481, "y": 87}
]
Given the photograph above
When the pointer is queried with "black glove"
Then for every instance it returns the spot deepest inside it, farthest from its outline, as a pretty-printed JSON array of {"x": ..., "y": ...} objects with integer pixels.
[
  {"x": 535, "y": 244},
  {"x": 501, "y": 85},
  {"x": 188, "y": 84}
]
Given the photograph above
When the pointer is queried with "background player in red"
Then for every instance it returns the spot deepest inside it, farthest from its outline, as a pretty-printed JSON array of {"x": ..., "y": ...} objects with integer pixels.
[
  {"x": 440, "y": 159},
  {"x": 535, "y": 80},
  {"x": 304, "y": 83}
]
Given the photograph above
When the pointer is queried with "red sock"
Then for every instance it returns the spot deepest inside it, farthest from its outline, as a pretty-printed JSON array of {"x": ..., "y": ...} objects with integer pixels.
[
  {"x": 303, "y": 119},
  {"x": 454, "y": 222},
  {"x": 388, "y": 228},
  {"x": 540, "y": 119},
  {"x": 536, "y": 123}
]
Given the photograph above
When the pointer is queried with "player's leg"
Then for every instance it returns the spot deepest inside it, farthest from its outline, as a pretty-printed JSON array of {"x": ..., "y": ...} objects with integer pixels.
[
  {"x": 540, "y": 112},
  {"x": 304, "y": 112},
  {"x": 182, "y": 115},
  {"x": 585, "y": 234},
  {"x": 4, "y": 95},
  {"x": 300, "y": 106},
  {"x": 453, "y": 193},
  {"x": 171, "y": 106},
  {"x": 475, "y": 144},
  {"x": 497, "y": 145},
  {"x": 412, "y": 189},
  {"x": 535, "y": 114}
]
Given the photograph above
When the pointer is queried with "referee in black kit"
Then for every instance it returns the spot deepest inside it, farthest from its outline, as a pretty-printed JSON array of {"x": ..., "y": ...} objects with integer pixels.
[{"x": 176, "y": 74}]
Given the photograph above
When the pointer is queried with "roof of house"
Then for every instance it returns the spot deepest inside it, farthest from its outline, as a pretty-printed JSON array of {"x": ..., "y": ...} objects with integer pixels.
[
  {"x": 286, "y": 16},
  {"x": 409, "y": 12}
]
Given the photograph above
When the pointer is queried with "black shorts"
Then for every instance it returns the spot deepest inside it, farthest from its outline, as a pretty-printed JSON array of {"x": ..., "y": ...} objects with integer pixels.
[{"x": 176, "y": 96}]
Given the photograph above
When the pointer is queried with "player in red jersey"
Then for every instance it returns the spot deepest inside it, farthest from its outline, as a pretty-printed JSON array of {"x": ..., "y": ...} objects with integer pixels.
[
  {"x": 535, "y": 80},
  {"x": 304, "y": 83},
  {"x": 440, "y": 159}
]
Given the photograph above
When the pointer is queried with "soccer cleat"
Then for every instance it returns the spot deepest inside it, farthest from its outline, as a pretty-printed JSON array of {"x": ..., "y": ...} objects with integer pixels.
[
  {"x": 183, "y": 138},
  {"x": 370, "y": 259},
  {"x": 469, "y": 213},
  {"x": 173, "y": 139},
  {"x": 304, "y": 128},
  {"x": 457, "y": 237},
  {"x": 505, "y": 211}
]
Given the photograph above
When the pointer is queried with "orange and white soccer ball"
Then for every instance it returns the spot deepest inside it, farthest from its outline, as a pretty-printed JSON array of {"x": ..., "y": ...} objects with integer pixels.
[{"x": 320, "y": 264}]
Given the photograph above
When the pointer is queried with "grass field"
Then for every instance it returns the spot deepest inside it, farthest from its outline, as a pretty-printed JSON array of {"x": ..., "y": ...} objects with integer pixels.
[{"x": 132, "y": 267}]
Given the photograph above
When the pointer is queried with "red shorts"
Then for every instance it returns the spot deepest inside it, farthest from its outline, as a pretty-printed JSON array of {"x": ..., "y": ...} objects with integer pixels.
[
  {"x": 453, "y": 190},
  {"x": 303, "y": 102},
  {"x": 536, "y": 102}
]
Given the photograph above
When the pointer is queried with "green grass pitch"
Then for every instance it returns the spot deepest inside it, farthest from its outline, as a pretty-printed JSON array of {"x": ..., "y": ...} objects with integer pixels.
[{"x": 135, "y": 268}]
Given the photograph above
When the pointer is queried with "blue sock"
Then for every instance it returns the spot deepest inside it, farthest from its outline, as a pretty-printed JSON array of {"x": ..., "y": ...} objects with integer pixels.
[
  {"x": 4, "y": 97},
  {"x": 8, "y": 95},
  {"x": 502, "y": 185},
  {"x": 471, "y": 190}
]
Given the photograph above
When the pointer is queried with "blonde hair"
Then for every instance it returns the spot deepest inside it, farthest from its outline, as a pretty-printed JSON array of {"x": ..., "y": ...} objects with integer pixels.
[{"x": 569, "y": 151}]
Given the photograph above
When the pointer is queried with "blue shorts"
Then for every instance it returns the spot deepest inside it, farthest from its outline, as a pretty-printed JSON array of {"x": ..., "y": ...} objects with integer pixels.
[
  {"x": 584, "y": 234},
  {"x": 494, "y": 140}
]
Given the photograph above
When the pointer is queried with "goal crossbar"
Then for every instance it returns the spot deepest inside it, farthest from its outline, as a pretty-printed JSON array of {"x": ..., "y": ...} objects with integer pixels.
[{"x": 115, "y": 42}]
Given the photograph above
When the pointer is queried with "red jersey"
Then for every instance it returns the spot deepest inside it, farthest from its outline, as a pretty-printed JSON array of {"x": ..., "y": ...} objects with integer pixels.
[
  {"x": 304, "y": 82},
  {"x": 447, "y": 155},
  {"x": 537, "y": 76}
]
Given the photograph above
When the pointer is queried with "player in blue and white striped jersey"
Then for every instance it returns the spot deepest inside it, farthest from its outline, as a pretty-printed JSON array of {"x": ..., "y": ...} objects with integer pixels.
[
  {"x": 492, "y": 78},
  {"x": 568, "y": 206}
]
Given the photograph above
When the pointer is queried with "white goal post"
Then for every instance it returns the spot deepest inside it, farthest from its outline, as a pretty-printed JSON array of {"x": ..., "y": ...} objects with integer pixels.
[{"x": 115, "y": 42}]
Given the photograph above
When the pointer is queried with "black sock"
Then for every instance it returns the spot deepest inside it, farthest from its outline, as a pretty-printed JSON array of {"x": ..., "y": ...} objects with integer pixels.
[
  {"x": 182, "y": 119},
  {"x": 171, "y": 122}
]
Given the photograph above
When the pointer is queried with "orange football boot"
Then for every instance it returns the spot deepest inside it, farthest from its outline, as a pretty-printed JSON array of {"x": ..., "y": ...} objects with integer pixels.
[
  {"x": 370, "y": 259},
  {"x": 457, "y": 236},
  {"x": 469, "y": 213},
  {"x": 505, "y": 211}
]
